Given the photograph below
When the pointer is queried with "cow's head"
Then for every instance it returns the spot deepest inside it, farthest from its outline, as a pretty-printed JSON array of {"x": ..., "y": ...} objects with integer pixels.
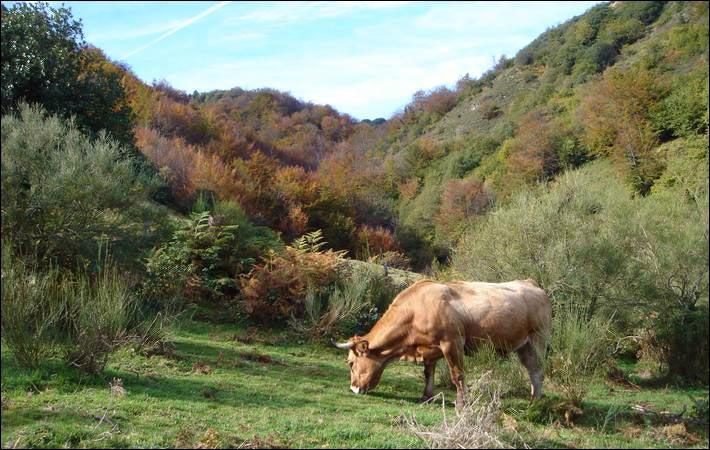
[{"x": 365, "y": 366}]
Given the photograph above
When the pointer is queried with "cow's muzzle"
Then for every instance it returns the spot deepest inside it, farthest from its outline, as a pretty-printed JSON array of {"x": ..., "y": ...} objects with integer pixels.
[{"x": 358, "y": 390}]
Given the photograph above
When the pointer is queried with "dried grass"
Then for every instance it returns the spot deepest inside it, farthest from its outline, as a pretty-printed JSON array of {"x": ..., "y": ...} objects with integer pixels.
[{"x": 476, "y": 424}]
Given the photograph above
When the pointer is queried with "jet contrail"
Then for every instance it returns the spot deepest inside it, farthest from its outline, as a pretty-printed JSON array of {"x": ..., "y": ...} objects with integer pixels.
[{"x": 178, "y": 28}]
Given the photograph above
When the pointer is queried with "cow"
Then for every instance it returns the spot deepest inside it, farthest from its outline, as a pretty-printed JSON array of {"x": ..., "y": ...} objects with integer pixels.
[{"x": 431, "y": 320}]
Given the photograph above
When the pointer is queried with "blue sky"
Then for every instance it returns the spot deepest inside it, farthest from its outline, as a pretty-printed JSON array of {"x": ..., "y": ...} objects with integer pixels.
[{"x": 364, "y": 59}]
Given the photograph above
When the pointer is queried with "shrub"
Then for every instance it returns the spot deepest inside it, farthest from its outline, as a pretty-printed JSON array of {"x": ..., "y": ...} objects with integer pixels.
[
  {"x": 394, "y": 260},
  {"x": 563, "y": 240},
  {"x": 375, "y": 241},
  {"x": 98, "y": 315},
  {"x": 672, "y": 235},
  {"x": 276, "y": 289},
  {"x": 64, "y": 195},
  {"x": 647, "y": 269},
  {"x": 349, "y": 308},
  {"x": 31, "y": 309},
  {"x": 682, "y": 342},
  {"x": 205, "y": 257},
  {"x": 579, "y": 350},
  {"x": 683, "y": 113}
]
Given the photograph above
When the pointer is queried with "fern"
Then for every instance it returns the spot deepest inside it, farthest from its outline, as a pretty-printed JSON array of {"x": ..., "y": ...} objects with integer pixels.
[{"x": 310, "y": 242}]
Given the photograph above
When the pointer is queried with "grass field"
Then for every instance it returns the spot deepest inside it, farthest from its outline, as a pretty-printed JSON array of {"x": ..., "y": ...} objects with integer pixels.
[{"x": 231, "y": 386}]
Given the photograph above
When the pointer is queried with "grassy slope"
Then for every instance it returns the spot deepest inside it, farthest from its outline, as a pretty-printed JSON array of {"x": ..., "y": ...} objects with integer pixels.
[{"x": 269, "y": 390}]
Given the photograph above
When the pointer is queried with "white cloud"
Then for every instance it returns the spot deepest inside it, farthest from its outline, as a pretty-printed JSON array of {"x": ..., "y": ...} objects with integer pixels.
[
  {"x": 351, "y": 83},
  {"x": 370, "y": 69}
]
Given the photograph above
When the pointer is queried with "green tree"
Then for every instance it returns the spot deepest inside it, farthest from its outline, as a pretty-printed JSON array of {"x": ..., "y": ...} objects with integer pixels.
[
  {"x": 64, "y": 196},
  {"x": 46, "y": 60}
]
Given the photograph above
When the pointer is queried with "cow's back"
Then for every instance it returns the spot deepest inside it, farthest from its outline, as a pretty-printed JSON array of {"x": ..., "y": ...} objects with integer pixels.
[{"x": 504, "y": 313}]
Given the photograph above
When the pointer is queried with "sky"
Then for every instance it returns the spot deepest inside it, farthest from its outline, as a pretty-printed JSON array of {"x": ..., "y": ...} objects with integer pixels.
[{"x": 363, "y": 58}]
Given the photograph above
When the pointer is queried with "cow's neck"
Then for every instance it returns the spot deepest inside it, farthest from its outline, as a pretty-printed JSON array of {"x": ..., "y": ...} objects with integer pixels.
[{"x": 390, "y": 335}]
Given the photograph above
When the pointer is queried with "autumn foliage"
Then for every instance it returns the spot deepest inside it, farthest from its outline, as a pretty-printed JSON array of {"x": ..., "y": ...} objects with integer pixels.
[
  {"x": 462, "y": 200},
  {"x": 275, "y": 290},
  {"x": 616, "y": 115}
]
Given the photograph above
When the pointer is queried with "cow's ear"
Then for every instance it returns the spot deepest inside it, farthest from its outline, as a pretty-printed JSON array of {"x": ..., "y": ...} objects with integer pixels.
[{"x": 362, "y": 347}]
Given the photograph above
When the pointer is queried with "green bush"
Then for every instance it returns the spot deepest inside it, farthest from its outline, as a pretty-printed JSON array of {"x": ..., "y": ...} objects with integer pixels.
[
  {"x": 99, "y": 312},
  {"x": 205, "y": 256},
  {"x": 64, "y": 195},
  {"x": 642, "y": 261},
  {"x": 350, "y": 306},
  {"x": 682, "y": 339},
  {"x": 31, "y": 309},
  {"x": 579, "y": 350},
  {"x": 563, "y": 239},
  {"x": 683, "y": 113}
]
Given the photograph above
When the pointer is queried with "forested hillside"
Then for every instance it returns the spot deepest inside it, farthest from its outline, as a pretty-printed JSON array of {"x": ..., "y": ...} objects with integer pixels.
[
  {"x": 131, "y": 208},
  {"x": 416, "y": 180}
]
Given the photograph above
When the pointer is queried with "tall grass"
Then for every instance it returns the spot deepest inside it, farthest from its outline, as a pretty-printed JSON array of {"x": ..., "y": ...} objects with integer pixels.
[
  {"x": 48, "y": 311},
  {"x": 351, "y": 306},
  {"x": 31, "y": 309}
]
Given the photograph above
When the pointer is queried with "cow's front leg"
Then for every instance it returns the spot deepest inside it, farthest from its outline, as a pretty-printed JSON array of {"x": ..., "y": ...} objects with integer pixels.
[
  {"x": 429, "y": 369},
  {"x": 454, "y": 358}
]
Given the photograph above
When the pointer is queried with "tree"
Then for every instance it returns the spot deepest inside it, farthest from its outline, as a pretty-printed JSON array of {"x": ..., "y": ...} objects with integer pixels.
[
  {"x": 615, "y": 113},
  {"x": 45, "y": 60},
  {"x": 462, "y": 200}
]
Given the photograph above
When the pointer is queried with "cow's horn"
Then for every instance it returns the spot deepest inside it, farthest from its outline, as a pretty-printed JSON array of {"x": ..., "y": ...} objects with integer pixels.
[{"x": 345, "y": 346}]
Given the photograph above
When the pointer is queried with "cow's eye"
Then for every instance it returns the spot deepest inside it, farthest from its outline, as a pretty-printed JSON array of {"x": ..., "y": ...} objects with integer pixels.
[{"x": 350, "y": 364}]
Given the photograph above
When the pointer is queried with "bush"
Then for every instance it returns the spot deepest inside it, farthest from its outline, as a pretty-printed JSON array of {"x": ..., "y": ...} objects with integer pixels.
[
  {"x": 64, "y": 195},
  {"x": 394, "y": 260},
  {"x": 31, "y": 309},
  {"x": 205, "y": 257},
  {"x": 683, "y": 113},
  {"x": 372, "y": 241},
  {"x": 579, "y": 350},
  {"x": 276, "y": 289},
  {"x": 646, "y": 269},
  {"x": 353, "y": 303},
  {"x": 349, "y": 308},
  {"x": 682, "y": 340},
  {"x": 99, "y": 313}
]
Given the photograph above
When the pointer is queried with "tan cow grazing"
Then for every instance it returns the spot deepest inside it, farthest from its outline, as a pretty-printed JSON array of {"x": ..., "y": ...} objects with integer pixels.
[{"x": 431, "y": 320}]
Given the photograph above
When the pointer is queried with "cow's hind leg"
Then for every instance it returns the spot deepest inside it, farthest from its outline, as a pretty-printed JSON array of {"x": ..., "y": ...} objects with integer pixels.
[
  {"x": 532, "y": 356},
  {"x": 453, "y": 352},
  {"x": 429, "y": 369}
]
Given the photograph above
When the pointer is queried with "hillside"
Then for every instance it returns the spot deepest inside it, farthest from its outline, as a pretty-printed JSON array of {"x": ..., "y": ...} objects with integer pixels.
[
  {"x": 524, "y": 120},
  {"x": 449, "y": 156}
]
